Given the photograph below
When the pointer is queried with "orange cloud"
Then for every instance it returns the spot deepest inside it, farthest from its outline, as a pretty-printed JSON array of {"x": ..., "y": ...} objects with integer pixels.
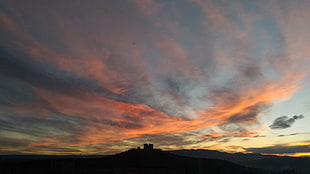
[{"x": 136, "y": 80}]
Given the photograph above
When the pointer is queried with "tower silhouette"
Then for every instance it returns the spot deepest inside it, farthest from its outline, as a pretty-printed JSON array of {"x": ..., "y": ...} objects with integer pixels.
[{"x": 148, "y": 146}]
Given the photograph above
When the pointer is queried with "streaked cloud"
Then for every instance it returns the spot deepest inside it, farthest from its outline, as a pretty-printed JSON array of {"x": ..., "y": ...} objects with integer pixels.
[
  {"x": 73, "y": 81},
  {"x": 282, "y": 149}
]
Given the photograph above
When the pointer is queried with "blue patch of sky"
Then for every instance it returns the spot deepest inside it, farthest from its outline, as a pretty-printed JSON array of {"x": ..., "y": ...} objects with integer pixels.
[{"x": 296, "y": 105}]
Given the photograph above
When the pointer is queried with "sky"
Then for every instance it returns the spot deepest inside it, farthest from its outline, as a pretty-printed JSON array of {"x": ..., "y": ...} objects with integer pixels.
[{"x": 100, "y": 77}]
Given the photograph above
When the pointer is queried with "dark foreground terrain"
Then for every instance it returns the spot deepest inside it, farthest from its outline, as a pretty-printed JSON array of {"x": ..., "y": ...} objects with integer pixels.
[
  {"x": 275, "y": 164},
  {"x": 129, "y": 162}
]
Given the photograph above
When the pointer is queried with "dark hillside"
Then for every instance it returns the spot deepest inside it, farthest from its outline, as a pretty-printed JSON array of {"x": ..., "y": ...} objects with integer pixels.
[
  {"x": 129, "y": 162},
  {"x": 272, "y": 163}
]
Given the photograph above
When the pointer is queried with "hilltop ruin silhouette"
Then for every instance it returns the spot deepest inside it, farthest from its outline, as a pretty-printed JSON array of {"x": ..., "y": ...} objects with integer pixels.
[{"x": 148, "y": 146}]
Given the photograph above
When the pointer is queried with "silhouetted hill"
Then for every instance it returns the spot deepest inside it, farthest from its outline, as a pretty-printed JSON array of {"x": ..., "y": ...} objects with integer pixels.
[
  {"x": 213, "y": 154},
  {"x": 254, "y": 160},
  {"x": 129, "y": 162},
  {"x": 300, "y": 165}
]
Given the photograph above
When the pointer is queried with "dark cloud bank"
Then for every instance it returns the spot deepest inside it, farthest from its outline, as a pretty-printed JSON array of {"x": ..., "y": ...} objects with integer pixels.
[{"x": 280, "y": 149}]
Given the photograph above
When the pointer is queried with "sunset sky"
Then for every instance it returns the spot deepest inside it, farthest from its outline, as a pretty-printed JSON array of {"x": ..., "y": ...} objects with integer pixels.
[{"x": 103, "y": 76}]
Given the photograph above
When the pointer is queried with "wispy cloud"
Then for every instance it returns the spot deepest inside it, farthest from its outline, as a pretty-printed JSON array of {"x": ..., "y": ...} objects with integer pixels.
[
  {"x": 282, "y": 149},
  {"x": 73, "y": 77}
]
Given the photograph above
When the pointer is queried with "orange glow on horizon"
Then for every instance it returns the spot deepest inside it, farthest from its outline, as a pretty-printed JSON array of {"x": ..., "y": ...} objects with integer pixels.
[
  {"x": 301, "y": 154},
  {"x": 300, "y": 144}
]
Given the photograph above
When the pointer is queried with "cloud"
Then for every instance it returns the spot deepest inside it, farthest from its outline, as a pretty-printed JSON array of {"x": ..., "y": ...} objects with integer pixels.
[
  {"x": 249, "y": 114},
  {"x": 284, "y": 122},
  {"x": 280, "y": 149},
  {"x": 70, "y": 78},
  {"x": 281, "y": 135}
]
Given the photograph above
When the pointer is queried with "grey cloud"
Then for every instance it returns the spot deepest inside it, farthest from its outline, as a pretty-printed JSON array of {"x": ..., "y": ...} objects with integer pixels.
[
  {"x": 293, "y": 134},
  {"x": 248, "y": 114},
  {"x": 281, "y": 135},
  {"x": 284, "y": 122},
  {"x": 11, "y": 142},
  {"x": 62, "y": 127},
  {"x": 232, "y": 127},
  {"x": 43, "y": 75},
  {"x": 225, "y": 96},
  {"x": 76, "y": 32},
  {"x": 221, "y": 138},
  {"x": 60, "y": 149},
  {"x": 252, "y": 71},
  {"x": 120, "y": 124},
  {"x": 280, "y": 149}
]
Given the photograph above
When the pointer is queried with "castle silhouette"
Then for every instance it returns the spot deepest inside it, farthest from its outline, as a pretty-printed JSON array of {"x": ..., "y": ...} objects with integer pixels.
[{"x": 146, "y": 147}]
